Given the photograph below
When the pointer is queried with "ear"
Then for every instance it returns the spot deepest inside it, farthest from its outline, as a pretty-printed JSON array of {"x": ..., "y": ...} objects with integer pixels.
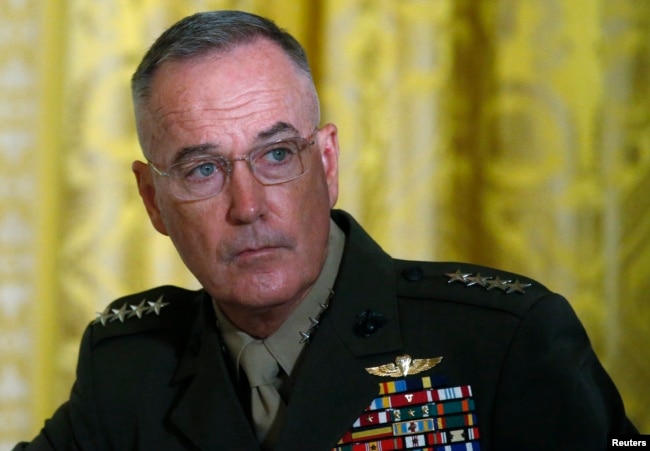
[
  {"x": 328, "y": 143},
  {"x": 144, "y": 179}
]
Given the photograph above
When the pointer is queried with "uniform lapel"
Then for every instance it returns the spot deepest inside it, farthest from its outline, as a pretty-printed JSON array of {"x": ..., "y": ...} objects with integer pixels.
[
  {"x": 332, "y": 387},
  {"x": 330, "y": 393},
  {"x": 209, "y": 412}
]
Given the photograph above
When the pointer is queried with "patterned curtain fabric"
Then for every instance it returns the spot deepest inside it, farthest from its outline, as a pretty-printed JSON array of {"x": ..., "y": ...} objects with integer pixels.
[{"x": 512, "y": 133}]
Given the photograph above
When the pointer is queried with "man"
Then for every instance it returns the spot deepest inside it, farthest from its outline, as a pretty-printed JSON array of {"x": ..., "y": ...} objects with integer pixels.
[{"x": 364, "y": 351}]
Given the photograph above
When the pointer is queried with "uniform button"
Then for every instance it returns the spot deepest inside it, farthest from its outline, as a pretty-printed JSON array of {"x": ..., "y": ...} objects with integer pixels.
[
  {"x": 368, "y": 323},
  {"x": 412, "y": 273}
]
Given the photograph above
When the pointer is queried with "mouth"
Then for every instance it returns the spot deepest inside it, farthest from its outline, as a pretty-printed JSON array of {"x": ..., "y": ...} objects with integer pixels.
[
  {"x": 250, "y": 255},
  {"x": 256, "y": 251}
]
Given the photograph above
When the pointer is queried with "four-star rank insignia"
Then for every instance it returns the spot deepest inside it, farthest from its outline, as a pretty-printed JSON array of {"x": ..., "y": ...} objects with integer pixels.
[
  {"x": 403, "y": 366},
  {"x": 128, "y": 311},
  {"x": 488, "y": 282}
]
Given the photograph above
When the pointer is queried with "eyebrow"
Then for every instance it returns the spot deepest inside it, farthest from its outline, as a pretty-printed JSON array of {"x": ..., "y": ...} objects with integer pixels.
[
  {"x": 279, "y": 128},
  {"x": 189, "y": 152},
  {"x": 276, "y": 129}
]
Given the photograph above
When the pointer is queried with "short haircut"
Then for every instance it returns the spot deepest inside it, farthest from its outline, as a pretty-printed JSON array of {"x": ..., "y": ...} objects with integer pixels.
[{"x": 207, "y": 32}]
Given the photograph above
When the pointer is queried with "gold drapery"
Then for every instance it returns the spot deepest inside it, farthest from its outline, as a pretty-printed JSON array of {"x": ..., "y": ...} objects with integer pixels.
[{"x": 513, "y": 133}]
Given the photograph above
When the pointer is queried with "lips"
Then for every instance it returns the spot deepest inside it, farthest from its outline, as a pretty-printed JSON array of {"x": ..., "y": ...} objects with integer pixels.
[{"x": 256, "y": 251}]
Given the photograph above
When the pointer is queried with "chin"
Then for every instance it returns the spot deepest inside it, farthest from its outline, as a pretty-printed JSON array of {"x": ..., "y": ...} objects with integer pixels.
[{"x": 261, "y": 290}]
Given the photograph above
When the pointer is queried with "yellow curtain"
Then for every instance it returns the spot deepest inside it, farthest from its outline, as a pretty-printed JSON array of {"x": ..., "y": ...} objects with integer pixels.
[{"x": 513, "y": 133}]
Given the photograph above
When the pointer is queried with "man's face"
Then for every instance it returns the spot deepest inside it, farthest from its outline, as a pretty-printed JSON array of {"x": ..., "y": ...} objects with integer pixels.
[{"x": 250, "y": 246}]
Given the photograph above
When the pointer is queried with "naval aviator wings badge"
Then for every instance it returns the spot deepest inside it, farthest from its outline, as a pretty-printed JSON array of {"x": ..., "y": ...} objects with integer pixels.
[{"x": 403, "y": 366}]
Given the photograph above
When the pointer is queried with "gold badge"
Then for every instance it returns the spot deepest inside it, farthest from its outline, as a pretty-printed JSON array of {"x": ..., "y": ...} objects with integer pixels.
[{"x": 403, "y": 366}]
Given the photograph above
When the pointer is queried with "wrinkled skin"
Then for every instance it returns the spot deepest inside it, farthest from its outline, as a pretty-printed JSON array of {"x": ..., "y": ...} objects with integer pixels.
[{"x": 256, "y": 249}]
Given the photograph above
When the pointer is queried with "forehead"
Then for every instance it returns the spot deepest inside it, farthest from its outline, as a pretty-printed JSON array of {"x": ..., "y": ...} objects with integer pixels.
[{"x": 242, "y": 90}]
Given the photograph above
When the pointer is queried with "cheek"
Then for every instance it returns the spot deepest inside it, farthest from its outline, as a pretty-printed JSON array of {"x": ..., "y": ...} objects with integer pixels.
[
  {"x": 317, "y": 198},
  {"x": 302, "y": 203},
  {"x": 311, "y": 212},
  {"x": 190, "y": 226}
]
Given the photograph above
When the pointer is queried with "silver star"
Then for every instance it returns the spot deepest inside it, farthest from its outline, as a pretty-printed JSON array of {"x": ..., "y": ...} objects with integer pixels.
[
  {"x": 305, "y": 337},
  {"x": 325, "y": 305},
  {"x": 516, "y": 286},
  {"x": 120, "y": 313},
  {"x": 478, "y": 279},
  {"x": 457, "y": 276},
  {"x": 497, "y": 283},
  {"x": 156, "y": 306},
  {"x": 103, "y": 317},
  {"x": 138, "y": 310}
]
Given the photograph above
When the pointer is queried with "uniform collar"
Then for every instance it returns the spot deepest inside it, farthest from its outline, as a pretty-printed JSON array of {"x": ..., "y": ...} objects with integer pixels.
[{"x": 365, "y": 287}]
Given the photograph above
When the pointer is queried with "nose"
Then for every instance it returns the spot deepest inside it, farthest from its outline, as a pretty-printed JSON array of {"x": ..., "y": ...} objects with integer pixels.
[{"x": 247, "y": 196}]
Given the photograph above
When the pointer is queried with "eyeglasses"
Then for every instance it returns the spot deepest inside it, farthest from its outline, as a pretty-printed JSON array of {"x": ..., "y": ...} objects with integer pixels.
[{"x": 271, "y": 164}]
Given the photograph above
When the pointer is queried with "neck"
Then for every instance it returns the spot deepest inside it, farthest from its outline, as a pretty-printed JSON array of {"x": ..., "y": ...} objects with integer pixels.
[{"x": 259, "y": 322}]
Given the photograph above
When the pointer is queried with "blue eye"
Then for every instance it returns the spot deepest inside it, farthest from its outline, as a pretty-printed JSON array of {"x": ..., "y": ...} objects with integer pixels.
[
  {"x": 200, "y": 170},
  {"x": 206, "y": 169},
  {"x": 278, "y": 154}
]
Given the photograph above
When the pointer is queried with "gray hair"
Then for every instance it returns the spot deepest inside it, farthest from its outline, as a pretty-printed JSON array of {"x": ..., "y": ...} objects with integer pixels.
[{"x": 207, "y": 32}]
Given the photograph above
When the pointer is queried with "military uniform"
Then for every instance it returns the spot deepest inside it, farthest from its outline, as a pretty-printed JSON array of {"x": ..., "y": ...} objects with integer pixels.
[{"x": 516, "y": 371}]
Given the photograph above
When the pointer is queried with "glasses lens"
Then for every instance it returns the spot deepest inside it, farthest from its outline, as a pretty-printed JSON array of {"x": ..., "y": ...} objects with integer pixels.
[
  {"x": 280, "y": 161},
  {"x": 198, "y": 179},
  {"x": 270, "y": 164}
]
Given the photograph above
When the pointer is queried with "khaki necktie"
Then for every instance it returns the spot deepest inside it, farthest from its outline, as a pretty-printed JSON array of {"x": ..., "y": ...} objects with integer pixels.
[{"x": 262, "y": 371}]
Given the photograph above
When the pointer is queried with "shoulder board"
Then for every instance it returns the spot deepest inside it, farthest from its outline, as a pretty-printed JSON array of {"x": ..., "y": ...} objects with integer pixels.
[
  {"x": 159, "y": 308},
  {"x": 477, "y": 285}
]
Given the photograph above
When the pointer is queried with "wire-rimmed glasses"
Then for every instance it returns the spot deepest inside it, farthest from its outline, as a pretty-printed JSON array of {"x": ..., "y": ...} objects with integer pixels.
[{"x": 206, "y": 176}]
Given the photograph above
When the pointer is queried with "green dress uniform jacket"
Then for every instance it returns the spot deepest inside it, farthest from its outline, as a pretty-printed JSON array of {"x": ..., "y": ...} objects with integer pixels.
[{"x": 159, "y": 380}]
